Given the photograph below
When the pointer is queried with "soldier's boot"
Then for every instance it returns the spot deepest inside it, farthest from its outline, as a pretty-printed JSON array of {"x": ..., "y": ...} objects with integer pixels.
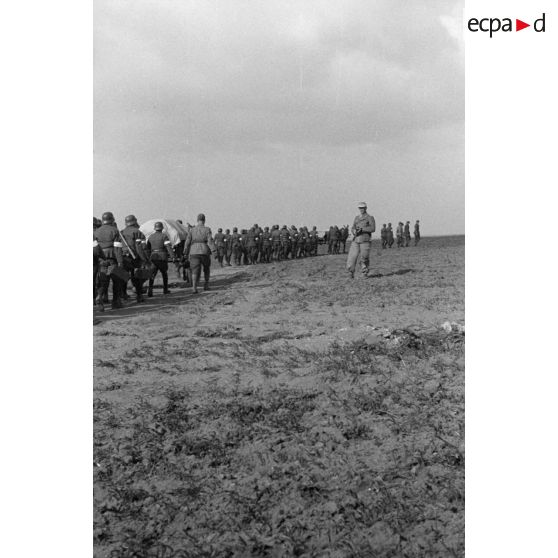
[
  {"x": 99, "y": 302},
  {"x": 138, "y": 288},
  {"x": 166, "y": 284},
  {"x": 195, "y": 284},
  {"x": 116, "y": 303},
  {"x": 150, "y": 288},
  {"x": 206, "y": 282}
]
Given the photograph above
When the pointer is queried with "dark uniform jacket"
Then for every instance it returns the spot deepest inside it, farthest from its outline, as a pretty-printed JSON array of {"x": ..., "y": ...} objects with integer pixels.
[
  {"x": 235, "y": 239},
  {"x": 108, "y": 239},
  {"x": 136, "y": 242},
  {"x": 220, "y": 240},
  {"x": 159, "y": 246}
]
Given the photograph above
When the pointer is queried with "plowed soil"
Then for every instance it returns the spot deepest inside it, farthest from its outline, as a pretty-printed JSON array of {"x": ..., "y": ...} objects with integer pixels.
[{"x": 289, "y": 411}]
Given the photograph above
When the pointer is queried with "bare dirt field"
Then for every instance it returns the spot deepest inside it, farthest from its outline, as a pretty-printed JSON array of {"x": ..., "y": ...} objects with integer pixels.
[{"x": 289, "y": 411}]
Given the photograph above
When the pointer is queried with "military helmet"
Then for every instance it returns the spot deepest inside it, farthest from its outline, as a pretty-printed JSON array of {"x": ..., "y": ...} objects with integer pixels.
[
  {"x": 95, "y": 222},
  {"x": 107, "y": 218},
  {"x": 201, "y": 217},
  {"x": 158, "y": 226},
  {"x": 235, "y": 229},
  {"x": 219, "y": 230},
  {"x": 131, "y": 220},
  {"x": 227, "y": 231}
]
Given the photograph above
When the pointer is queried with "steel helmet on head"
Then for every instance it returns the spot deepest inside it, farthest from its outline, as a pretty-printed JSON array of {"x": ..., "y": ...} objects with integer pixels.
[
  {"x": 107, "y": 218},
  {"x": 131, "y": 220},
  {"x": 158, "y": 226}
]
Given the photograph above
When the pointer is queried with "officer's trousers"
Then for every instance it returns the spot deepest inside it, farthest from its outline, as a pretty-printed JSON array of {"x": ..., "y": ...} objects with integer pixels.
[
  {"x": 197, "y": 262},
  {"x": 357, "y": 249}
]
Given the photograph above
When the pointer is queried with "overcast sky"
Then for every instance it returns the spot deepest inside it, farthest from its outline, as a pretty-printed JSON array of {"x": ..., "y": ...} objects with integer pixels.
[{"x": 278, "y": 111}]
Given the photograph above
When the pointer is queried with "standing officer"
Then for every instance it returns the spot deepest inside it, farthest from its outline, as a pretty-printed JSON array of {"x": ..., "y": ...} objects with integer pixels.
[
  {"x": 199, "y": 245},
  {"x": 220, "y": 246},
  {"x": 417, "y": 233},
  {"x": 228, "y": 246},
  {"x": 384, "y": 236},
  {"x": 159, "y": 248},
  {"x": 407, "y": 233},
  {"x": 107, "y": 238},
  {"x": 363, "y": 227}
]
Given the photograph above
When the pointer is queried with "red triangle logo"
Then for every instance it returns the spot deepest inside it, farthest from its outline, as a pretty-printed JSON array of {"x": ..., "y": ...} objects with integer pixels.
[{"x": 519, "y": 25}]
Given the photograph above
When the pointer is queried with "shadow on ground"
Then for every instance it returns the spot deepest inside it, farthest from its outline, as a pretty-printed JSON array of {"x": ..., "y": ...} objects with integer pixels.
[
  {"x": 180, "y": 294},
  {"x": 398, "y": 272}
]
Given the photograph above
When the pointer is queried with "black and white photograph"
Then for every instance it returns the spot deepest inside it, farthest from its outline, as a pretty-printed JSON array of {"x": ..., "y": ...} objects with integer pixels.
[{"x": 278, "y": 279}]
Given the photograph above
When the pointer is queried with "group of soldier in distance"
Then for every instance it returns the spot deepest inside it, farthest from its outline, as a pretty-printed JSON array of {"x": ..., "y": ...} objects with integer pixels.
[{"x": 126, "y": 255}]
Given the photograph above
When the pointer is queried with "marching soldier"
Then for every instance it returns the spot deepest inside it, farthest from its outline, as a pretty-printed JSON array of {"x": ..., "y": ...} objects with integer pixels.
[
  {"x": 384, "y": 236},
  {"x": 275, "y": 242},
  {"x": 294, "y": 242},
  {"x": 363, "y": 227},
  {"x": 313, "y": 241},
  {"x": 390, "y": 236},
  {"x": 107, "y": 238},
  {"x": 228, "y": 247},
  {"x": 417, "y": 233},
  {"x": 285, "y": 242},
  {"x": 199, "y": 245},
  {"x": 251, "y": 246},
  {"x": 134, "y": 257},
  {"x": 159, "y": 248},
  {"x": 343, "y": 235},
  {"x": 399, "y": 233},
  {"x": 266, "y": 245},
  {"x": 236, "y": 246},
  {"x": 98, "y": 255},
  {"x": 407, "y": 233},
  {"x": 220, "y": 246}
]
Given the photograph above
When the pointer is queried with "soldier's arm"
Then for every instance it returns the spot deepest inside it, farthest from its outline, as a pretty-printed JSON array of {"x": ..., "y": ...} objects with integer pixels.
[
  {"x": 118, "y": 249},
  {"x": 210, "y": 241},
  {"x": 141, "y": 247},
  {"x": 168, "y": 246}
]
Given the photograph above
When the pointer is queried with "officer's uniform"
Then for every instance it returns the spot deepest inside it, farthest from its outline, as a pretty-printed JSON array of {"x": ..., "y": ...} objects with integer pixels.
[
  {"x": 199, "y": 245},
  {"x": 363, "y": 227},
  {"x": 133, "y": 255},
  {"x": 107, "y": 238},
  {"x": 159, "y": 249}
]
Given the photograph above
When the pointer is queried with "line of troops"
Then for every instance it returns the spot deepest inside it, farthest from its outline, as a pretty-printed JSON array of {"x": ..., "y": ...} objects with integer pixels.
[
  {"x": 402, "y": 234},
  {"x": 126, "y": 255},
  {"x": 257, "y": 245}
]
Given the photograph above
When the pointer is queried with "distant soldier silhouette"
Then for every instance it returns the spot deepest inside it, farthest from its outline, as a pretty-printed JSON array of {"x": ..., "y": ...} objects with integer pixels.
[
  {"x": 407, "y": 233},
  {"x": 384, "y": 236},
  {"x": 399, "y": 234},
  {"x": 417, "y": 233},
  {"x": 236, "y": 246},
  {"x": 390, "y": 235},
  {"x": 220, "y": 245},
  {"x": 275, "y": 242}
]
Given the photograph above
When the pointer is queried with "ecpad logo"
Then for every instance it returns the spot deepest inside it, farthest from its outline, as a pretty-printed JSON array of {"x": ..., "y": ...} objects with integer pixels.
[{"x": 494, "y": 24}]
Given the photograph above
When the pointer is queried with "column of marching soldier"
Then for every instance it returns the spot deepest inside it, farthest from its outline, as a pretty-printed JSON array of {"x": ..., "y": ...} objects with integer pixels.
[{"x": 127, "y": 255}]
